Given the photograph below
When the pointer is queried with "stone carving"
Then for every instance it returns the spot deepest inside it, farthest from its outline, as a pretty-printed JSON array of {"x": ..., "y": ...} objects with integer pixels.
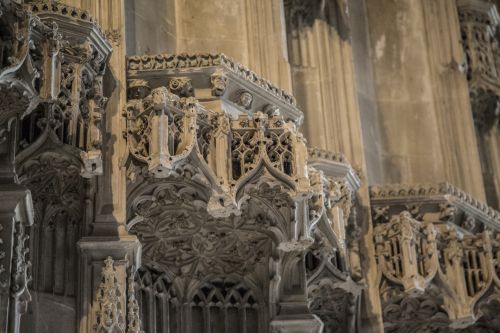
[
  {"x": 70, "y": 55},
  {"x": 328, "y": 155},
  {"x": 133, "y": 319},
  {"x": 416, "y": 256},
  {"x": 245, "y": 99},
  {"x": 20, "y": 274},
  {"x": 219, "y": 82},
  {"x": 220, "y": 303},
  {"x": 166, "y": 132},
  {"x": 109, "y": 315},
  {"x": 181, "y": 86},
  {"x": 160, "y": 128},
  {"x": 225, "y": 299},
  {"x": 224, "y": 204},
  {"x": 145, "y": 63},
  {"x": 413, "y": 314},
  {"x": 478, "y": 23},
  {"x": 188, "y": 239},
  {"x": 114, "y": 36},
  {"x": 442, "y": 200},
  {"x": 18, "y": 70},
  {"x": 58, "y": 199},
  {"x": 407, "y": 252},
  {"x": 155, "y": 290},
  {"x": 332, "y": 294},
  {"x": 216, "y": 194}
]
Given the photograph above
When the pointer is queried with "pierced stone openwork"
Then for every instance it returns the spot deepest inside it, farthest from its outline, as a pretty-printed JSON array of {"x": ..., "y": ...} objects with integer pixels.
[
  {"x": 436, "y": 258},
  {"x": 224, "y": 203}
]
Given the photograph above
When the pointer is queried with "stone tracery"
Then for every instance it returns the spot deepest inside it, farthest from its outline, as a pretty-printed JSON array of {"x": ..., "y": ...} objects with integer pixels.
[{"x": 242, "y": 227}]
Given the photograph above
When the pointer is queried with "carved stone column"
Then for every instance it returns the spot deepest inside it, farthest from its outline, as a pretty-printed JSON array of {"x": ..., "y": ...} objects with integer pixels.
[{"x": 294, "y": 315}]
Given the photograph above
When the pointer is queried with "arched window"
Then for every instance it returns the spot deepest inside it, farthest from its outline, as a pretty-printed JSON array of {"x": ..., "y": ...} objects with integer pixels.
[
  {"x": 222, "y": 306},
  {"x": 160, "y": 307}
]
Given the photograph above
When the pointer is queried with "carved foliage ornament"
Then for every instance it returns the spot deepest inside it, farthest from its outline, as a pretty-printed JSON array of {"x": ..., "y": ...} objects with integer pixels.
[
  {"x": 178, "y": 234},
  {"x": 109, "y": 315},
  {"x": 21, "y": 265},
  {"x": 133, "y": 319},
  {"x": 144, "y": 63}
]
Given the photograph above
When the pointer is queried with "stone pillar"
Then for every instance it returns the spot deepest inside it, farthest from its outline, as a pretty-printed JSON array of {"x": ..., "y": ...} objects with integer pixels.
[
  {"x": 323, "y": 80},
  {"x": 294, "y": 315},
  {"x": 423, "y": 103},
  {"x": 367, "y": 103},
  {"x": 150, "y": 26},
  {"x": 250, "y": 31},
  {"x": 110, "y": 212},
  {"x": 489, "y": 145},
  {"x": 323, "y": 76}
]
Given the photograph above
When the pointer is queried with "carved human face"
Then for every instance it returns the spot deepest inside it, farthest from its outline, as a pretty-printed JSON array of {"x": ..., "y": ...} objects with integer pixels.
[{"x": 246, "y": 100}]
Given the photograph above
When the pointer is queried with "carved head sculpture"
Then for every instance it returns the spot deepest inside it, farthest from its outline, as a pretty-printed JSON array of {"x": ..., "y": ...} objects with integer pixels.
[
  {"x": 271, "y": 110},
  {"x": 138, "y": 89},
  {"x": 161, "y": 97},
  {"x": 219, "y": 82},
  {"x": 245, "y": 99}
]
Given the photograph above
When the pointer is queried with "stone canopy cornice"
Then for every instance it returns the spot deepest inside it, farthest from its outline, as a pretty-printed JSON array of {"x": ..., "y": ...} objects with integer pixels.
[
  {"x": 430, "y": 198},
  {"x": 201, "y": 70}
]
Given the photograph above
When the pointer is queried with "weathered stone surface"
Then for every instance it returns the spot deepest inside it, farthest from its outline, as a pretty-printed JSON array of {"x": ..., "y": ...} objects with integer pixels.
[{"x": 154, "y": 175}]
